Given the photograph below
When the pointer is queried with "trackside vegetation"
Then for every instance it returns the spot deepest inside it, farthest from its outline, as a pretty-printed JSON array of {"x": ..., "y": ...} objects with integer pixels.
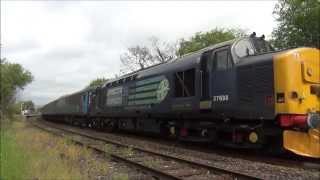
[
  {"x": 13, "y": 160},
  {"x": 14, "y": 77},
  {"x": 29, "y": 153}
]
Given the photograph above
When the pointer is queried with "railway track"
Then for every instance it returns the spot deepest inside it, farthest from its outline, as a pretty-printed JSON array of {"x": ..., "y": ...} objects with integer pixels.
[
  {"x": 157, "y": 165},
  {"x": 288, "y": 161}
]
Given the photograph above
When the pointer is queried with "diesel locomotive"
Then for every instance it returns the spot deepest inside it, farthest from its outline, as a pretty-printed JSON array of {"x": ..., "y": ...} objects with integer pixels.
[{"x": 240, "y": 93}]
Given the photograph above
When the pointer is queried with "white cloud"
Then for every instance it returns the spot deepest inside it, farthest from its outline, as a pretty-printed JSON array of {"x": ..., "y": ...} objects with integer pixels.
[{"x": 67, "y": 44}]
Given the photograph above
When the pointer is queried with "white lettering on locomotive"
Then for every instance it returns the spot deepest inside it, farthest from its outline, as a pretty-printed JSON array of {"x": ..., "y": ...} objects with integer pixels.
[{"x": 221, "y": 98}]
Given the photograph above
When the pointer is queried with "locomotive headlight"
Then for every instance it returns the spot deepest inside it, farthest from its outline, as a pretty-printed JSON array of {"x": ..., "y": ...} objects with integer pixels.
[
  {"x": 253, "y": 137},
  {"x": 313, "y": 120},
  {"x": 172, "y": 130}
]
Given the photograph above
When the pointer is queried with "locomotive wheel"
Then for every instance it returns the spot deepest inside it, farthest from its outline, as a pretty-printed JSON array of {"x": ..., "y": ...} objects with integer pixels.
[
  {"x": 84, "y": 124},
  {"x": 164, "y": 130},
  {"x": 111, "y": 126},
  {"x": 93, "y": 124}
]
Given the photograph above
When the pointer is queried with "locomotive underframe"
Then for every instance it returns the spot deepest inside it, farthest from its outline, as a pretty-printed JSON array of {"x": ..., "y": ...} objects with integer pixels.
[{"x": 234, "y": 133}]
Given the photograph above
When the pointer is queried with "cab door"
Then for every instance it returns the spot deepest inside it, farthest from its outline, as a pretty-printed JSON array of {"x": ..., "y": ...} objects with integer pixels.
[
  {"x": 222, "y": 80},
  {"x": 205, "y": 73}
]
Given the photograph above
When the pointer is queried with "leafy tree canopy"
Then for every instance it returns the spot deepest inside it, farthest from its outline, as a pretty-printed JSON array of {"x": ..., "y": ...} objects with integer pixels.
[
  {"x": 13, "y": 77},
  {"x": 97, "y": 82},
  {"x": 203, "y": 39},
  {"x": 298, "y": 23},
  {"x": 28, "y": 105}
]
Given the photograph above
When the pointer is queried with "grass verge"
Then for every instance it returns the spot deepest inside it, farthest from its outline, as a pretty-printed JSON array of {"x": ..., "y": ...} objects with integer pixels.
[
  {"x": 13, "y": 160},
  {"x": 29, "y": 153}
]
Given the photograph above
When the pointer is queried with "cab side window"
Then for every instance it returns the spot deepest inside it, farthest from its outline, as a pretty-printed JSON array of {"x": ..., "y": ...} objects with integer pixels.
[{"x": 223, "y": 60}]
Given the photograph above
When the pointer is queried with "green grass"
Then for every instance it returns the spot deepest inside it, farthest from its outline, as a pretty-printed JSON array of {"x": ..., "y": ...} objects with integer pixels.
[
  {"x": 13, "y": 161},
  {"x": 120, "y": 177},
  {"x": 29, "y": 153}
]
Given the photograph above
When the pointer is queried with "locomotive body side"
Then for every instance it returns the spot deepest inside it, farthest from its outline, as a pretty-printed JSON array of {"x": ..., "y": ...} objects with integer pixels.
[{"x": 204, "y": 96}]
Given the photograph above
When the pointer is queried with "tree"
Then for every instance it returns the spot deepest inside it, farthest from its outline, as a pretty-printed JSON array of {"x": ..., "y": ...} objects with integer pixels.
[
  {"x": 28, "y": 105},
  {"x": 97, "y": 82},
  {"x": 139, "y": 57},
  {"x": 162, "y": 51},
  {"x": 298, "y": 23},
  {"x": 13, "y": 78},
  {"x": 203, "y": 39}
]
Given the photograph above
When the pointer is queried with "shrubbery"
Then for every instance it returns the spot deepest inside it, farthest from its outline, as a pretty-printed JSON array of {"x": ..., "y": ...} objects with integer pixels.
[{"x": 13, "y": 78}]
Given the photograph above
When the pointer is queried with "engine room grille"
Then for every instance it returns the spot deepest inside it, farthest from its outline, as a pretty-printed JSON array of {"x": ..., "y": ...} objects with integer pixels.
[{"x": 255, "y": 81}]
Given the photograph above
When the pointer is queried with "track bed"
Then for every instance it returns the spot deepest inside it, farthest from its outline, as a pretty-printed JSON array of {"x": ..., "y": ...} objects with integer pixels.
[{"x": 179, "y": 162}]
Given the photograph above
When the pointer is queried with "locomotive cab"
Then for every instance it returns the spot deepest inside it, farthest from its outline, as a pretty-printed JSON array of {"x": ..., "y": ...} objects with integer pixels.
[
  {"x": 263, "y": 96},
  {"x": 229, "y": 68},
  {"x": 236, "y": 88}
]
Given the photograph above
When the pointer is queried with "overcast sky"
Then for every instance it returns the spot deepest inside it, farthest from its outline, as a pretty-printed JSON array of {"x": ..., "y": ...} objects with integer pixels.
[{"x": 67, "y": 44}]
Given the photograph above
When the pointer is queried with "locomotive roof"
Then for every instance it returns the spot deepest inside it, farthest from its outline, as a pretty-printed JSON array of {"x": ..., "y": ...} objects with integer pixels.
[
  {"x": 67, "y": 95},
  {"x": 77, "y": 92},
  {"x": 181, "y": 63}
]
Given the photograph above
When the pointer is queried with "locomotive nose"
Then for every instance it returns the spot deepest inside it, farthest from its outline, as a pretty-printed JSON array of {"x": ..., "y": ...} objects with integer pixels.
[
  {"x": 297, "y": 81},
  {"x": 297, "y": 89}
]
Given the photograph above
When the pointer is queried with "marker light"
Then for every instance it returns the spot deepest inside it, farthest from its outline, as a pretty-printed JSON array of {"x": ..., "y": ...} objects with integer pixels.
[{"x": 314, "y": 120}]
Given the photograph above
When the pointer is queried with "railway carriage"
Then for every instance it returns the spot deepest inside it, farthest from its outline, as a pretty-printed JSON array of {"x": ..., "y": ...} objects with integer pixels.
[
  {"x": 240, "y": 93},
  {"x": 72, "y": 108}
]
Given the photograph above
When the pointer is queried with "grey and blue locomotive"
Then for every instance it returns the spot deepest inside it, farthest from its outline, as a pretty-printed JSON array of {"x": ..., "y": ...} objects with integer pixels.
[{"x": 236, "y": 93}]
